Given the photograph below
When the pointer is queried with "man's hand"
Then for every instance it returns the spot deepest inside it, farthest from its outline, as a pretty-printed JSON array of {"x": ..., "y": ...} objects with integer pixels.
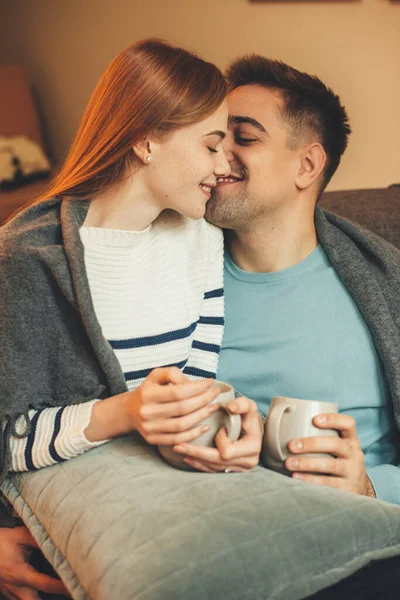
[
  {"x": 345, "y": 469},
  {"x": 18, "y": 579},
  {"x": 240, "y": 456}
]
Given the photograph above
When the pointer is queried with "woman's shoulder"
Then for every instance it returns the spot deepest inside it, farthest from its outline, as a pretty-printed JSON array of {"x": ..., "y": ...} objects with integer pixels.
[{"x": 36, "y": 225}]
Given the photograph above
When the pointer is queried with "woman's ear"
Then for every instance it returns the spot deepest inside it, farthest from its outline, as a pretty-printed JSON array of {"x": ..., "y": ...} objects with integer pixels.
[
  {"x": 312, "y": 163},
  {"x": 143, "y": 151}
]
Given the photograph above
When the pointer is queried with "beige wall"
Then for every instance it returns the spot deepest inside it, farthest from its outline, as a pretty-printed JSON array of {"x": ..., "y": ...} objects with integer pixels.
[{"x": 353, "y": 46}]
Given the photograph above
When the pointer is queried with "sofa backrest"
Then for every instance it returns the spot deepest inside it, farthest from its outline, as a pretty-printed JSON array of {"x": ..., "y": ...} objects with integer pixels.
[
  {"x": 375, "y": 209},
  {"x": 17, "y": 110}
]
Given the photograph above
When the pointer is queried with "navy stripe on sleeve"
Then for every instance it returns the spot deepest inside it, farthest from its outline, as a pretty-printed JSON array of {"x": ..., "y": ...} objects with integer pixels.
[
  {"x": 153, "y": 340},
  {"x": 30, "y": 441},
  {"x": 211, "y": 320},
  {"x": 205, "y": 346},
  {"x": 57, "y": 426},
  {"x": 133, "y": 375},
  {"x": 214, "y": 293},
  {"x": 198, "y": 372}
]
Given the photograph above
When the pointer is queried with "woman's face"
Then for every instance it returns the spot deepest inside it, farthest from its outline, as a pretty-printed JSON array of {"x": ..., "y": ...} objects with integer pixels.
[{"x": 186, "y": 163}]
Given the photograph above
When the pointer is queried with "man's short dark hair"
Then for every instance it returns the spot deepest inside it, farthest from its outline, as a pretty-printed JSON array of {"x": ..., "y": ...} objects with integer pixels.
[{"x": 309, "y": 105}]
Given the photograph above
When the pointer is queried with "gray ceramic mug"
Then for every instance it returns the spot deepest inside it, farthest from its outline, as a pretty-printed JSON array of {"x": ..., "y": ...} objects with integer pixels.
[
  {"x": 232, "y": 423},
  {"x": 289, "y": 419}
]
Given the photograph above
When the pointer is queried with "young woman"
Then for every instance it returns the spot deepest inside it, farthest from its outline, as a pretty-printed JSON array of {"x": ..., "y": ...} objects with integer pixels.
[{"x": 111, "y": 286}]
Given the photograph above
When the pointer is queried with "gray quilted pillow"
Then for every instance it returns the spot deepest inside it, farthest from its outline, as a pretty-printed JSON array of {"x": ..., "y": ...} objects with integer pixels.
[{"x": 119, "y": 523}]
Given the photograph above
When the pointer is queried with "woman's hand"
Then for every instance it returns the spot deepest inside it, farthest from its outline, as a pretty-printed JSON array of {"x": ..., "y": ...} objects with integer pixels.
[
  {"x": 165, "y": 409},
  {"x": 238, "y": 457},
  {"x": 18, "y": 579}
]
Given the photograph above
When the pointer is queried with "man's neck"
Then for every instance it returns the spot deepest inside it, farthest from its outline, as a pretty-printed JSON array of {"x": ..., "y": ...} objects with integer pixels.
[{"x": 272, "y": 246}]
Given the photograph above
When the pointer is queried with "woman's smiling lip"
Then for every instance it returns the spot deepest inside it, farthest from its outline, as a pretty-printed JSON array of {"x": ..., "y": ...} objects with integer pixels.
[{"x": 206, "y": 188}]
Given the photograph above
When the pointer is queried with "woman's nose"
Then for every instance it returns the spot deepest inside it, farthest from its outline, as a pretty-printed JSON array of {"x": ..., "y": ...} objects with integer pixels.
[{"x": 223, "y": 167}]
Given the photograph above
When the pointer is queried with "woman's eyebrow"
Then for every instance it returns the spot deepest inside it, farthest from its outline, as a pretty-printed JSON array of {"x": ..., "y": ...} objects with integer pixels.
[
  {"x": 216, "y": 132},
  {"x": 237, "y": 120}
]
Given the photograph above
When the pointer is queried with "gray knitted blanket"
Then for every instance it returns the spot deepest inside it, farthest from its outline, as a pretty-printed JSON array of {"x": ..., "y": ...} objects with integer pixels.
[{"x": 53, "y": 352}]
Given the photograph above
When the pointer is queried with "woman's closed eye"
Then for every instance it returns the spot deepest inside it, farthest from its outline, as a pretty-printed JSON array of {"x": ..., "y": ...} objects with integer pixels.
[{"x": 213, "y": 150}]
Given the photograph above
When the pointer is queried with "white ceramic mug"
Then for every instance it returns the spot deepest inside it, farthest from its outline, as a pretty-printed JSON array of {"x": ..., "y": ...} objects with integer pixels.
[
  {"x": 289, "y": 419},
  {"x": 232, "y": 423}
]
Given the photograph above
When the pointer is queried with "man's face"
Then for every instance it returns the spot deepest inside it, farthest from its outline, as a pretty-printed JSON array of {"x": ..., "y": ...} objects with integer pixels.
[{"x": 263, "y": 166}]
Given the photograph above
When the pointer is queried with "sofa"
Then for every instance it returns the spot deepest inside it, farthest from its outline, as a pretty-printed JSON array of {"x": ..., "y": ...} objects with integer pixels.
[
  {"x": 19, "y": 117},
  {"x": 375, "y": 209}
]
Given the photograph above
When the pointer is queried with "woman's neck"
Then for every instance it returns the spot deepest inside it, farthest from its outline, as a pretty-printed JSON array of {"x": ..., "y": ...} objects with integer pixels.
[{"x": 127, "y": 206}]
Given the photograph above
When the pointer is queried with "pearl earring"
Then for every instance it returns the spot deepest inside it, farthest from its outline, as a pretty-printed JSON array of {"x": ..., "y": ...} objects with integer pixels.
[{"x": 149, "y": 158}]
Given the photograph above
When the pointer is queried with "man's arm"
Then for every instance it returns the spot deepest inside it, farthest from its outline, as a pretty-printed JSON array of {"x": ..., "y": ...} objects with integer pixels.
[
  {"x": 18, "y": 579},
  {"x": 385, "y": 481}
]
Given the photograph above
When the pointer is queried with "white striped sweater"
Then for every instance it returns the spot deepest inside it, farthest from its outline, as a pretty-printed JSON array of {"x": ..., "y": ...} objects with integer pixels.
[{"x": 158, "y": 296}]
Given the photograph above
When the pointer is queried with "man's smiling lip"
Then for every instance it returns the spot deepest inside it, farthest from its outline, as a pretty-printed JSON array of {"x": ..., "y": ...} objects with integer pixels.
[{"x": 229, "y": 180}]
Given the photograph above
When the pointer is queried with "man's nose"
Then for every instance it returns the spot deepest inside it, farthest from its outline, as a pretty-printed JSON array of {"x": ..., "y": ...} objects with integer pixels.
[{"x": 227, "y": 147}]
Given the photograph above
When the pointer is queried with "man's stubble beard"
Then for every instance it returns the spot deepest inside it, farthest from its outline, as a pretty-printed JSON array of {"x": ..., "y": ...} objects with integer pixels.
[{"x": 236, "y": 212}]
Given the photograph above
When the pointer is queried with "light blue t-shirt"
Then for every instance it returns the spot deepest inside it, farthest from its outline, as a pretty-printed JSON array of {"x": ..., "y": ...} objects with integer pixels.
[{"x": 298, "y": 333}]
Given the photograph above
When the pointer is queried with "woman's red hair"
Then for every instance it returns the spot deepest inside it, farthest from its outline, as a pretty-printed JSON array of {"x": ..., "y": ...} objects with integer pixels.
[{"x": 151, "y": 86}]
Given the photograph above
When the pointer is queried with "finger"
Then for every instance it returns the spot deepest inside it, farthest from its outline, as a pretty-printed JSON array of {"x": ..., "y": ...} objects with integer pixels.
[
  {"x": 212, "y": 456},
  {"x": 173, "y": 393},
  {"x": 171, "y": 439},
  {"x": 242, "y": 406},
  {"x": 181, "y": 407},
  {"x": 241, "y": 466},
  {"x": 326, "y": 445},
  {"x": 212, "y": 468},
  {"x": 249, "y": 444},
  {"x": 202, "y": 453},
  {"x": 6, "y": 592},
  {"x": 251, "y": 421},
  {"x": 181, "y": 424},
  {"x": 23, "y": 593},
  {"x": 345, "y": 424},
  {"x": 164, "y": 375},
  {"x": 199, "y": 466},
  {"x": 333, "y": 482},
  {"x": 39, "y": 581},
  {"x": 24, "y": 537},
  {"x": 326, "y": 465},
  {"x": 243, "y": 452}
]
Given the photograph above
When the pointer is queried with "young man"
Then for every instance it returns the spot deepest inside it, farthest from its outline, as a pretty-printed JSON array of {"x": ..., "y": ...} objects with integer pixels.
[{"x": 311, "y": 300}]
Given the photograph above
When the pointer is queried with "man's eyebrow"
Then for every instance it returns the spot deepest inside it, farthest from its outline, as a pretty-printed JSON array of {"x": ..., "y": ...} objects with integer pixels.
[
  {"x": 216, "y": 132},
  {"x": 238, "y": 120}
]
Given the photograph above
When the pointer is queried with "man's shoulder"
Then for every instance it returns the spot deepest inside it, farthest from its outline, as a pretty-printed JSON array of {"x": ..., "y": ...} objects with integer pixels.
[{"x": 333, "y": 229}]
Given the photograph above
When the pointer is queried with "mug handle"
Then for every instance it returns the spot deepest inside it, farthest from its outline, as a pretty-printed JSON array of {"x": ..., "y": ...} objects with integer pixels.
[
  {"x": 272, "y": 433},
  {"x": 233, "y": 424}
]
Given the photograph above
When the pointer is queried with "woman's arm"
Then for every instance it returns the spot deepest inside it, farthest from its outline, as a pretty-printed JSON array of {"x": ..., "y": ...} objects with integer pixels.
[
  {"x": 166, "y": 407},
  {"x": 56, "y": 434}
]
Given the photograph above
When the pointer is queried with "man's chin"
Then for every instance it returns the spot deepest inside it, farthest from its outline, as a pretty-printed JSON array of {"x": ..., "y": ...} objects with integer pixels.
[
  {"x": 215, "y": 215},
  {"x": 211, "y": 213}
]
